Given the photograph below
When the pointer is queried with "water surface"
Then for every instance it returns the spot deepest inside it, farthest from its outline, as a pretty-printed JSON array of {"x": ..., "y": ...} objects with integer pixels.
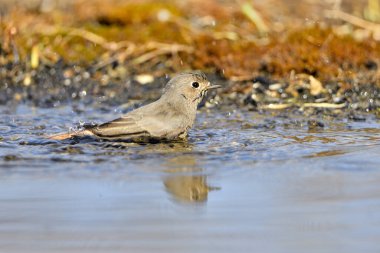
[{"x": 243, "y": 182}]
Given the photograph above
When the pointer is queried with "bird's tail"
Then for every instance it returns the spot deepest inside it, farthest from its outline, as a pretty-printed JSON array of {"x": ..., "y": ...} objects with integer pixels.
[{"x": 65, "y": 136}]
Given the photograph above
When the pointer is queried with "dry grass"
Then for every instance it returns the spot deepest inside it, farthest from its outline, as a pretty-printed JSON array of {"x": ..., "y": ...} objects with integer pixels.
[{"x": 237, "y": 39}]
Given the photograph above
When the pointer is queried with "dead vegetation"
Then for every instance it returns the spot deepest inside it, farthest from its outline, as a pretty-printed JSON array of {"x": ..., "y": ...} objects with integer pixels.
[{"x": 240, "y": 40}]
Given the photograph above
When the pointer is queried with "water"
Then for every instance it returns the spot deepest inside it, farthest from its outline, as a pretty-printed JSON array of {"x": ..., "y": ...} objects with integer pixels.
[{"x": 243, "y": 182}]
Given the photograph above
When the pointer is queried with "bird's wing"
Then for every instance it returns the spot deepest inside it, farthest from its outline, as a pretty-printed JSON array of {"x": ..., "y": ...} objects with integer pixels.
[
  {"x": 161, "y": 120},
  {"x": 124, "y": 127},
  {"x": 149, "y": 121},
  {"x": 158, "y": 125}
]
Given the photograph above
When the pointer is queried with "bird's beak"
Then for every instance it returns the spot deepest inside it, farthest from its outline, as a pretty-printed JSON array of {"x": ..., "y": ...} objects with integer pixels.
[{"x": 213, "y": 87}]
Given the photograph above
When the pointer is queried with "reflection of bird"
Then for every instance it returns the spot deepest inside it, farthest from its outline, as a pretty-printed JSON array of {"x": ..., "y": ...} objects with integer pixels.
[
  {"x": 188, "y": 188},
  {"x": 169, "y": 117}
]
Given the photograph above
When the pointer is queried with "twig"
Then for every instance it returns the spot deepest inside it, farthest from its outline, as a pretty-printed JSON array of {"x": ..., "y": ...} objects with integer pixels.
[
  {"x": 324, "y": 105},
  {"x": 161, "y": 49},
  {"x": 314, "y": 105},
  {"x": 338, "y": 14},
  {"x": 90, "y": 36},
  {"x": 254, "y": 16},
  {"x": 276, "y": 106},
  {"x": 118, "y": 56},
  {"x": 241, "y": 78}
]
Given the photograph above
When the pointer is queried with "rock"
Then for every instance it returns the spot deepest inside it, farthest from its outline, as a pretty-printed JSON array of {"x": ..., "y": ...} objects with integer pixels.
[
  {"x": 316, "y": 87},
  {"x": 356, "y": 117},
  {"x": 314, "y": 124},
  {"x": 248, "y": 100},
  {"x": 144, "y": 79}
]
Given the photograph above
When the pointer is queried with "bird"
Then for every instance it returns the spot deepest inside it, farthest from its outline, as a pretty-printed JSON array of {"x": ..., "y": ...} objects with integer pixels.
[{"x": 168, "y": 118}]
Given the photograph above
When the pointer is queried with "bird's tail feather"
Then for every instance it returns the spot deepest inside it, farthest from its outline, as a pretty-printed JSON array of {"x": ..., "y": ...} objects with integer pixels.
[{"x": 65, "y": 136}]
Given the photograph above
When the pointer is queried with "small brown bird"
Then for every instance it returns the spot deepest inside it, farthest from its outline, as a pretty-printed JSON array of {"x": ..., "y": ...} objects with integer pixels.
[{"x": 168, "y": 118}]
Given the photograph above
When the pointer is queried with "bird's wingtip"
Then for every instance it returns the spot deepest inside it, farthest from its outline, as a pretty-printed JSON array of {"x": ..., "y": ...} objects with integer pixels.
[{"x": 60, "y": 137}]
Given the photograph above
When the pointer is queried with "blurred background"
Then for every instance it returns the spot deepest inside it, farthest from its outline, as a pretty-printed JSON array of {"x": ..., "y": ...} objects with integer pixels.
[
  {"x": 309, "y": 49},
  {"x": 229, "y": 35}
]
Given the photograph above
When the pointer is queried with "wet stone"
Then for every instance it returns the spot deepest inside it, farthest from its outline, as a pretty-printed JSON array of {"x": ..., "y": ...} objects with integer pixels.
[
  {"x": 356, "y": 117},
  {"x": 70, "y": 150},
  {"x": 39, "y": 127},
  {"x": 275, "y": 86},
  {"x": 248, "y": 100},
  {"x": 269, "y": 125},
  {"x": 247, "y": 125},
  {"x": 314, "y": 124},
  {"x": 265, "y": 81}
]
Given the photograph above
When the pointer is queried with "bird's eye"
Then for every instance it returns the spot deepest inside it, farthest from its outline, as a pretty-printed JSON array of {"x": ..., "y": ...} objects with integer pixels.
[{"x": 195, "y": 84}]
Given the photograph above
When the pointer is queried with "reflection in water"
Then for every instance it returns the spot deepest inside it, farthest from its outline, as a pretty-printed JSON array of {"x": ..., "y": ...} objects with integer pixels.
[
  {"x": 326, "y": 153},
  {"x": 187, "y": 181},
  {"x": 190, "y": 188},
  {"x": 311, "y": 139}
]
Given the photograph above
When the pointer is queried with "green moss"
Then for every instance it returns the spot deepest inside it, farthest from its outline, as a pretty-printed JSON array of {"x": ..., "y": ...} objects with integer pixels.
[{"x": 137, "y": 13}]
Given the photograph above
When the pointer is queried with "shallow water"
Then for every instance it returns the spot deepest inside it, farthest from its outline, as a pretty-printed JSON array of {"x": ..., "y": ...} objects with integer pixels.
[{"x": 243, "y": 182}]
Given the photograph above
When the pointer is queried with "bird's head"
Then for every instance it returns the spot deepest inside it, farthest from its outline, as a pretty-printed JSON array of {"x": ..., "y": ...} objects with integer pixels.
[{"x": 189, "y": 87}]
